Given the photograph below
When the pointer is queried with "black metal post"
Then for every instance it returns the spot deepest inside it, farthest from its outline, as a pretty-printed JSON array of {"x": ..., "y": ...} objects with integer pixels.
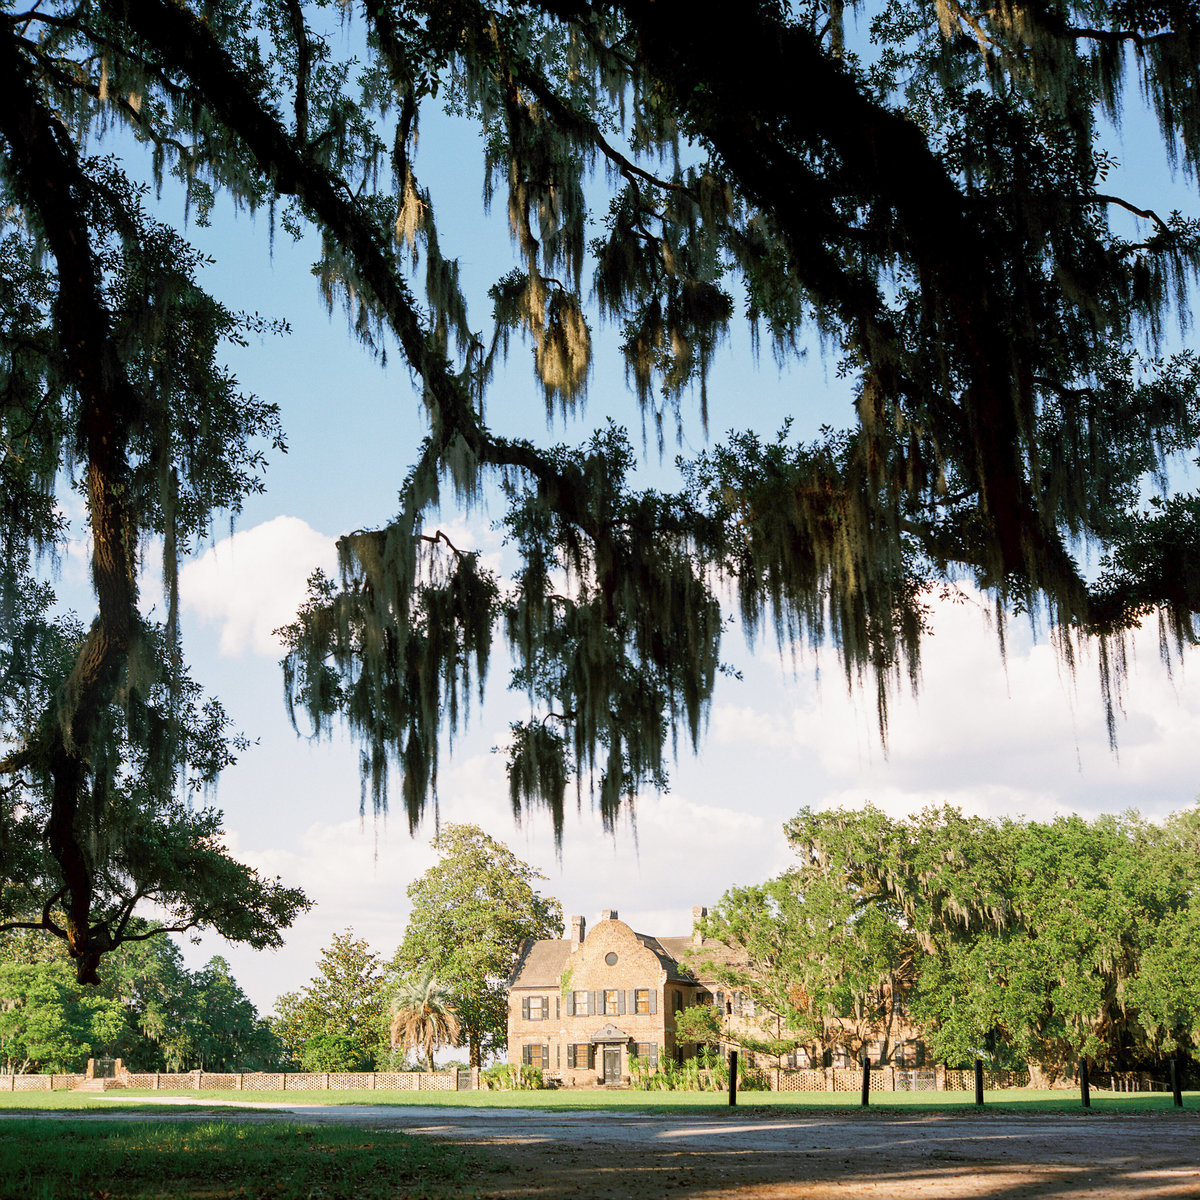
[
  {"x": 1176, "y": 1083},
  {"x": 732, "y": 1078},
  {"x": 1085, "y": 1092},
  {"x": 866, "y": 1092},
  {"x": 979, "y": 1081}
]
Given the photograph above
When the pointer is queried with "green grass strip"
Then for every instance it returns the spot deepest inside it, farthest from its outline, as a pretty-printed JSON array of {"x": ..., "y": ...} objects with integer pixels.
[
  {"x": 1009, "y": 1101},
  {"x": 219, "y": 1160}
]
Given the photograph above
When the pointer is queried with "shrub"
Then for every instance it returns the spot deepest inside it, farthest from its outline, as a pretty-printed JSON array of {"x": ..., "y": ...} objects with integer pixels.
[
  {"x": 507, "y": 1077},
  {"x": 334, "y": 1052}
]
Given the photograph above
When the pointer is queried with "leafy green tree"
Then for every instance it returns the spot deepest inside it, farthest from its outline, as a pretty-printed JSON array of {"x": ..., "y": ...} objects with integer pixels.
[
  {"x": 1036, "y": 934},
  {"x": 225, "y": 1028},
  {"x": 344, "y": 999},
  {"x": 1166, "y": 990},
  {"x": 334, "y": 1052},
  {"x": 700, "y": 1024},
  {"x": 471, "y": 913},
  {"x": 931, "y": 201},
  {"x": 171, "y": 1019},
  {"x": 829, "y": 966},
  {"x": 47, "y": 1021},
  {"x": 149, "y": 978},
  {"x": 423, "y": 1016},
  {"x": 108, "y": 740}
]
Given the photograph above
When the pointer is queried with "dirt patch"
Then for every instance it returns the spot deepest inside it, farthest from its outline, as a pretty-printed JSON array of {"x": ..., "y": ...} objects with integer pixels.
[
  {"x": 618, "y": 1158},
  {"x": 642, "y": 1175}
]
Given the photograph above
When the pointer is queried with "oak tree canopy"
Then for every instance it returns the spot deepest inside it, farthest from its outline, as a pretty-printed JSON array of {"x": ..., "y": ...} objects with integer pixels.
[{"x": 923, "y": 187}]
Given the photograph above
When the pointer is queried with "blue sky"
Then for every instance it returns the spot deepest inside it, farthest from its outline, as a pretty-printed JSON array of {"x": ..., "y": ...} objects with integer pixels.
[{"x": 1020, "y": 736}]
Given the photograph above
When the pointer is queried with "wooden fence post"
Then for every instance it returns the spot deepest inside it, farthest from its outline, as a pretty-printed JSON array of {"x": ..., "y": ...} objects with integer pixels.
[
  {"x": 1085, "y": 1091},
  {"x": 732, "y": 1078},
  {"x": 866, "y": 1082},
  {"x": 1176, "y": 1084},
  {"x": 979, "y": 1081}
]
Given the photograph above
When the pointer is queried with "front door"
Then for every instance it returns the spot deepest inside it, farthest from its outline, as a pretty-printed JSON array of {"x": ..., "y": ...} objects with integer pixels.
[{"x": 612, "y": 1064}]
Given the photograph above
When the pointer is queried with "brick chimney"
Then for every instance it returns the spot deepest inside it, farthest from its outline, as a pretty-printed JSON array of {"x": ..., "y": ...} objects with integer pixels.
[
  {"x": 609, "y": 914},
  {"x": 578, "y": 932},
  {"x": 698, "y": 915}
]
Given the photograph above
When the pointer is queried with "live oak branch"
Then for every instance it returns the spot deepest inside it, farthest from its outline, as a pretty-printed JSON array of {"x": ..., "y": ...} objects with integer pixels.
[{"x": 935, "y": 210}]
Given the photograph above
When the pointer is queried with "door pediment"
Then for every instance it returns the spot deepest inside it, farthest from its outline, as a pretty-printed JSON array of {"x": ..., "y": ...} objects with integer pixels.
[{"x": 609, "y": 1035}]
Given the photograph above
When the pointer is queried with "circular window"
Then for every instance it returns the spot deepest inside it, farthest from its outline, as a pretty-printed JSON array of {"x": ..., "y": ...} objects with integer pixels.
[{"x": 611, "y": 959}]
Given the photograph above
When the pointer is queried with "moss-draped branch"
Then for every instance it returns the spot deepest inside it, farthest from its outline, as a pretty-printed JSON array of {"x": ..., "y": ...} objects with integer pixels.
[{"x": 936, "y": 211}]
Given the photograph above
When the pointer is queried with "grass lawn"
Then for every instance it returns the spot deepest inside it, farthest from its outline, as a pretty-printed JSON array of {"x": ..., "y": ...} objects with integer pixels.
[
  {"x": 1010, "y": 1101},
  {"x": 219, "y": 1160}
]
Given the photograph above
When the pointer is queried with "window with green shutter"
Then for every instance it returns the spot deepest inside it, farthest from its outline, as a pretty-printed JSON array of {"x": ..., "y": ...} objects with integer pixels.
[
  {"x": 536, "y": 1056},
  {"x": 647, "y": 1052}
]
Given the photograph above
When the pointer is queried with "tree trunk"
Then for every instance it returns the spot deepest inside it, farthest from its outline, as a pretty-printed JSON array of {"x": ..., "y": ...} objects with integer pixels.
[
  {"x": 1044, "y": 1075},
  {"x": 49, "y": 175}
]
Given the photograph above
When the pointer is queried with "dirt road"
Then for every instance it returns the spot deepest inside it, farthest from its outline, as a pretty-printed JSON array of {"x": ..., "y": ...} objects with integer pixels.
[
  {"x": 720, "y": 1155},
  {"x": 747, "y": 1153}
]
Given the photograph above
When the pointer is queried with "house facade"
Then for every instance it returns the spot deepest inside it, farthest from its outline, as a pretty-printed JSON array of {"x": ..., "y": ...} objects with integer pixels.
[{"x": 581, "y": 1008}]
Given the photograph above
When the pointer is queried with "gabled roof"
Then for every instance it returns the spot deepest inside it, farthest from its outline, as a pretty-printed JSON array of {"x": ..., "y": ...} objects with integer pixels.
[
  {"x": 541, "y": 963},
  {"x": 701, "y": 958},
  {"x": 668, "y": 960}
]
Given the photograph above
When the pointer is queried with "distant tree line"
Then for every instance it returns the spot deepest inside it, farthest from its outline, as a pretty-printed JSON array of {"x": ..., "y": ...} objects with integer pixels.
[
  {"x": 150, "y": 1011},
  {"x": 1024, "y": 943},
  {"x": 471, "y": 912}
]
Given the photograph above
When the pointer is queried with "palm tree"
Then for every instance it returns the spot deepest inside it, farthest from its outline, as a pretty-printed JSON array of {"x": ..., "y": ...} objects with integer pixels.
[{"x": 422, "y": 1016}]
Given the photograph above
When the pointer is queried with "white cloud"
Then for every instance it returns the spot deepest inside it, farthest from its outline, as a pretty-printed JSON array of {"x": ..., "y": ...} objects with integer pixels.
[
  {"x": 684, "y": 853},
  {"x": 252, "y": 583},
  {"x": 744, "y": 725},
  {"x": 1020, "y": 734}
]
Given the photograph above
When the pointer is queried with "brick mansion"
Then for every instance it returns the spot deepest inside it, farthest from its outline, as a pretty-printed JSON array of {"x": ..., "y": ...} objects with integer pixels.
[{"x": 580, "y": 1007}]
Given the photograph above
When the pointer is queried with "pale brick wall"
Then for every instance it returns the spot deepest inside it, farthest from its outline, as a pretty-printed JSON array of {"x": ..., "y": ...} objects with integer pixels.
[{"x": 600, "y": 986}]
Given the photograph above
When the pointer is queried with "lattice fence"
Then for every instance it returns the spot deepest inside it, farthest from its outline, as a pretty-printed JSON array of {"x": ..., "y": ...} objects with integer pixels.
[
  {"x": 916, "y": 1079},
  {"x": 264, "y": 1081},
  {"x": 888, "y": 1079},
  {"x": 38, "y": 1083},
  {"x": 258, "y": 1081},
  {"x": 964, "y": 1081},
  {"x": 801, "y": 1081}
]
